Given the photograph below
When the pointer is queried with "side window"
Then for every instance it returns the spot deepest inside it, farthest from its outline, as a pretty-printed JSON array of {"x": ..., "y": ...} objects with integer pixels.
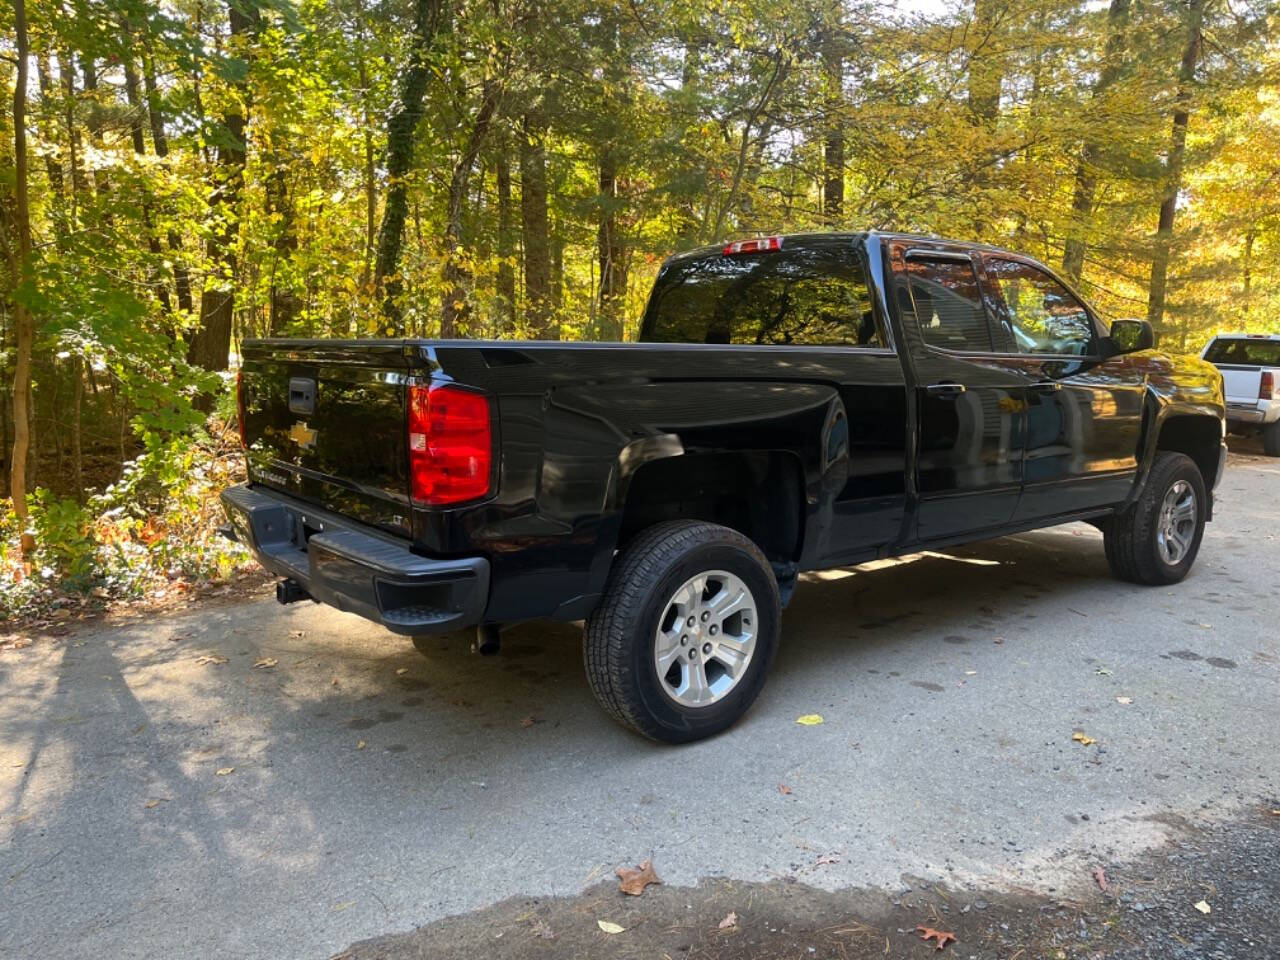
[
  {"x": 1043, "y": 315},
  {"x": 948, "y": 304}
]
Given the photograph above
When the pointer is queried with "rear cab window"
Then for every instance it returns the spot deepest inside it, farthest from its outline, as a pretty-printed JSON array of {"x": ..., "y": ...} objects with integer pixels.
[
  {"x": 810, "y": 292},
  {"x": 1244, "y": 352}
]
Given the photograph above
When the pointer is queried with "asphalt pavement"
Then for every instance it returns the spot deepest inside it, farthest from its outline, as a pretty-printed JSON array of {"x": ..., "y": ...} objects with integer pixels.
[{"x": 252, "y": 780}]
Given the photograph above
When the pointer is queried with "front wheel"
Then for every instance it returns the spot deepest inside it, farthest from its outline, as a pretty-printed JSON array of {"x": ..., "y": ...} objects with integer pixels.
[
  {"x": 1155, "y": 541},
  {"x": 681, "y": 643}
]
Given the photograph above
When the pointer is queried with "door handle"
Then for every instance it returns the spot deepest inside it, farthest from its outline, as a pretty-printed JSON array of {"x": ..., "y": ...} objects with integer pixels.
[
  {"x": 946, "y": 389},
  {"x": 1046, "y": 386}
]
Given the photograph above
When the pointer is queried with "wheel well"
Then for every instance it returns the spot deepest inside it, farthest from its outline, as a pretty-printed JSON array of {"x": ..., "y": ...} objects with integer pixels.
[
  {"x": 757, "y": 493},
  {"x": 1200, "y": 438}
]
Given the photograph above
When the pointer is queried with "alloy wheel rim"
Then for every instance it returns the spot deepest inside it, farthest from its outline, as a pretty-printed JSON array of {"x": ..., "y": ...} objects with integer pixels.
[
  {"x": 1177, "y": 524},
  {"x": 706, "y": 638}
]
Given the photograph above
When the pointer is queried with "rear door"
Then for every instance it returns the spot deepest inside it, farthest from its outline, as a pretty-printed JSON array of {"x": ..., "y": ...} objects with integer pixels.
[
  {"x": 324, "y": 422},
  {"x": 1084, "y": 414},
  {"x": 971, "y": 405}
]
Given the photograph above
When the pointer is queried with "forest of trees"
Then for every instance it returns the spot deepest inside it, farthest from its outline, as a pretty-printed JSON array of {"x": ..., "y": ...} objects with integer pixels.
[{"x": 178, "y": 174}]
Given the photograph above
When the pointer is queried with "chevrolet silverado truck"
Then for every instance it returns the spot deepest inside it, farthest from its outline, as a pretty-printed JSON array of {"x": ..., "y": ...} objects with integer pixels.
[
  {"x": 1250, "y": 365},
  {"x": 794, "y": 403}
]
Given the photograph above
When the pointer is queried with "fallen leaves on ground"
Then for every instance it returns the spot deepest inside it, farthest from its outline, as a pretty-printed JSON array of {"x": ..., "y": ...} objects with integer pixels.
[
  {"x": 1125, "y": 701},
  {"x": 402, "y": 671},
  {"x": 809, "y": 720},
  {"x": 1103, "y": 672},
  {"x": 223, "y": 771},
  {"x": 1203, "y": 907},
  {"x": 827, "y": 858},
  {"x": 784, "y": 790},
  {"x": 1100, "y": 876},
  {"x": 265, "y": 663},
  {"x": 633, "y": 880},
  {"x": 609, "y": 927},
  {"x": 729, "y": 922},
  {"x": 528, "y": 722},
  {"x": 361, "y": 745},
  {"x": 942, "y": 937},
  {"x": 296, "y": 634},
  {"x": 17, "y": 643},
  {"x": 542, "y": 929},
  {"x": 208, "y": 659},
  {"x": 1081, "y": 737},
  {"x": 155, "y": 802}
]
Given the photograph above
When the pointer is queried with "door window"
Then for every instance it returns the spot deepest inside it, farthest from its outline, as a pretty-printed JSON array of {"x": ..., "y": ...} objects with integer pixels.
[
  {"x": 948, "y": 304},
  {"x": 1044, "y": 317}
]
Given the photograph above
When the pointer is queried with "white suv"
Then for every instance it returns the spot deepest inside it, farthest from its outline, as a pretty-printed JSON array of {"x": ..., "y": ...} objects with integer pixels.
[{"x": 1250, "y": 366}]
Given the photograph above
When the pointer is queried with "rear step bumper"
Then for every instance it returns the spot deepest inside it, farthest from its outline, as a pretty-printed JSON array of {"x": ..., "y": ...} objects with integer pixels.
[{"x": 348, "y": 567}]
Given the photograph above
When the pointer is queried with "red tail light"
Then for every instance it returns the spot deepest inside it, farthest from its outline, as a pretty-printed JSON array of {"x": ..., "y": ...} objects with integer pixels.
[
  {"x": 450, "y": 444},
  {"x": 758, "y": 245},
  {"x": 244, "y": 444},
  {"x": 1267, "y": 386}
]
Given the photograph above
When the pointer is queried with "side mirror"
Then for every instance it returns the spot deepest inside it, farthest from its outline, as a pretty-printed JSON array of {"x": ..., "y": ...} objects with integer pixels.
[{"x": 1128, "y": 336}]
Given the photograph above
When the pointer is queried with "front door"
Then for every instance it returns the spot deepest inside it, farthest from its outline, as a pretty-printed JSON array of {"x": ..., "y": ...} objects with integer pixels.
[
  {"x": 971, "y": 405},
  {"x": 1084, "y": 415}
]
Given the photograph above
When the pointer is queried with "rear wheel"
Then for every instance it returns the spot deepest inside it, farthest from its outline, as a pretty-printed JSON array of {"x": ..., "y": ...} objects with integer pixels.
[
  {"x": 1155, "y": 541},
  {"x": 681, "y": 643},
  {"x": 1271, "y": 439}
]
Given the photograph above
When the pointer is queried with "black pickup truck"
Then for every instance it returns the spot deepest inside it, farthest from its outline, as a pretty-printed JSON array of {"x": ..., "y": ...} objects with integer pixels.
[{"x": 795, "y": 403}]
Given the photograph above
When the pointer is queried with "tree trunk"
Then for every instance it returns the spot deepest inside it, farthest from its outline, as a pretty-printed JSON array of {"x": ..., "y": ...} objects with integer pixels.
[
  {"x": 97, "y": 126},
  {"x": 402, "y": 125},
  {"x": 1086, "y": 181},
  {"x": 1173, "y": 167},
  {"x": 52, "y": 165},
  {"x": 506, "y": 243},
  {"x": 611, "y": 251},
  {"x": 1246, "y": 272},
  {"x": 211, "y": 346},
  {"x": 457, "y": 273},
  {"x": 19, "y": 272},
  {"x": 77, "y": 431},
  {"x": 535, "y": 226},
  {"x": 366, "y": 131},
  {"x": 279, "y": 205},
  {"x": 136, "y": 127},
  {"x": 160, "y": 143},
  {"x": 833, "y": 134},
  {"x": 986, "y": 77},
  {"x": 79, "y": 185}
]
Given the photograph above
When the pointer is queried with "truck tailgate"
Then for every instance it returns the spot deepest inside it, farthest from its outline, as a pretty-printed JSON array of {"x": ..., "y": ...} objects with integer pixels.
[
  {"x": 1241, "y": 384},
  {"x": 324, "y": 422}
]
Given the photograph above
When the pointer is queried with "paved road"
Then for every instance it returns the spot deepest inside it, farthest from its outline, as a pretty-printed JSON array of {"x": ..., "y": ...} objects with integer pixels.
[{"x": 371, "y": 790}]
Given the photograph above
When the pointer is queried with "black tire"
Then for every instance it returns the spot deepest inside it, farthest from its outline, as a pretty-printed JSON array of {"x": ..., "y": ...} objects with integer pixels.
[
  {"x": 1132, "y": 536},
  {"x": 620, "y": 637},
  {"x": 1271, "y": 439}
]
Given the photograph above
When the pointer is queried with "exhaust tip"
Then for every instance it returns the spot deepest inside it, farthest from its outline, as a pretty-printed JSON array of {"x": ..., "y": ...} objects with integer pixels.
[{"x": 488, "y": 639}]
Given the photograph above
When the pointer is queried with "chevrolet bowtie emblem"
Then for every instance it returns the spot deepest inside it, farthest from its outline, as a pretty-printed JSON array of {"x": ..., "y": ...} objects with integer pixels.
[{"x": 302, "y": 435}]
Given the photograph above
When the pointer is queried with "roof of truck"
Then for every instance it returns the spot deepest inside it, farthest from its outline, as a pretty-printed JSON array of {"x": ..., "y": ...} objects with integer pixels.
[{"x": 716, "y": 249}]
